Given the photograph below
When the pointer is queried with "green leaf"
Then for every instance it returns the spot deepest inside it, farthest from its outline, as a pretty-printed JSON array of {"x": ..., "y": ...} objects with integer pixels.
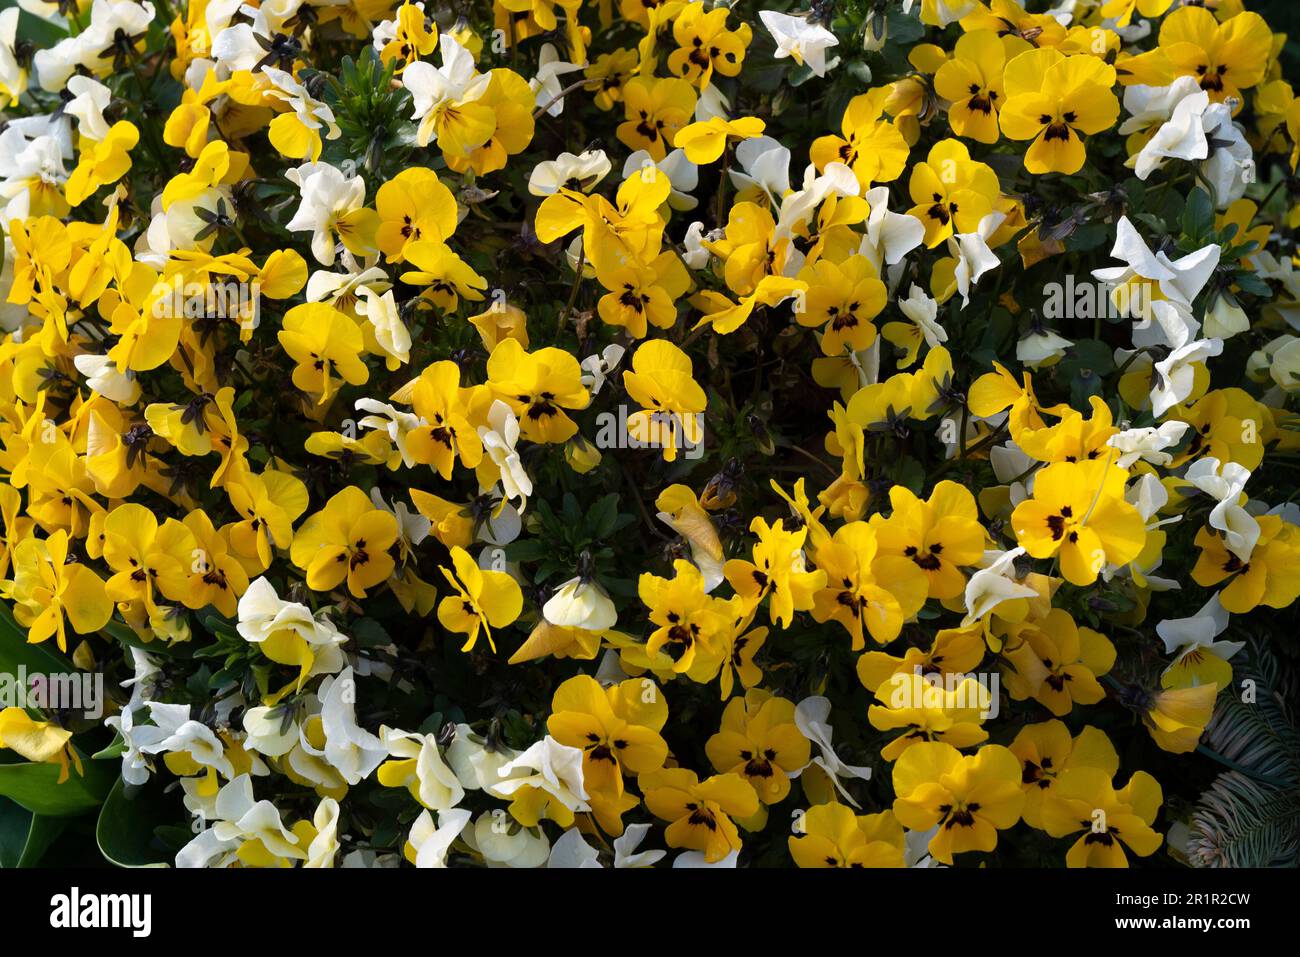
[
  {"x": 1251, "y": 283},
  {"x": 1198, "y": 215},
  {"x": 125, "y": 829},
  {"x": 24, "y": 836},
  {"x": 859, "y": 70},
  {"x": 1088, "y": 237},
  {"x": 36, "y": 788},
  {"x": 603, "y": 516},
  {"x": 115, "y": 749}
]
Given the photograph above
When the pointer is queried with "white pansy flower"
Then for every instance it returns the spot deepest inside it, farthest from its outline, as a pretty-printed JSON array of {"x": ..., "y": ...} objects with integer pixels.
[
  {"x": 380, "y": 310},
  {"x": 973, "y": 255},
  {"x": 697, "y": 254},
  {"x": 248, "y": 46},
  {"x": 712, "y": 102},
  {"x": 429, "y": 779},
  {"x": 499, "y": 438},
  {"x": 1190, "y": 639},
  {"x": 350, "y": 749},
  {"x": 264, "y": 616},
  {"x": 396, "y": 423},
  {"x": 342, "y": 290},
  {"x": 1176, "y": 373},
  {"x": 547, "y": 84},
  {"x": 924, "y": 313},
  {"x": 177, "y": 732},
  {"x": 549, "y": 766},
  {"x": 596, "y": 369},
  {"x": 239, "y": 820},
  {"x": 325, "y": 845},
  {"x": 812, "y": 718},
  {"x": 1231, "y": 166},
  {"x": 13, "y": 76},
  {"x": 764, "y": 164},
  {"x": 993, "y": 584},
  {"x": 435, "y": 91},
  {"x": 1225, "y": 483},
  {"x": 1147, "y": 444},
  {"x": 1150, "y": 106},
  {"x": 1180, "y": 280},
  {"x": 475, "y": 765},
  {"x": 428, "y": 843},
  {"x": 270, "y": 731},
  {"x": 571, "y": 852},
  {"x": 89, "y": 100},
  {"x": 799, "y": 207},
  {"x": 625, "y": 849},
  {"x": 1040, "y": 346},
  {"x": 503, "y": 843},
  {"x": 102, "y": 377},
  {"x": 327, "y": 198},
  {"x": 581, "y": 171},
  {"x": 1181, "y": 136},
  {"x": 890, "y": 236},
  {"x": 580, "y": 604},
  {"x": 801, "y": 39},
  {"x": 27, "y": 167}
]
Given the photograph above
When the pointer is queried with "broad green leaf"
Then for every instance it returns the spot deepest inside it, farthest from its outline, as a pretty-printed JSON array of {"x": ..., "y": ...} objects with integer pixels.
[
  {"x": 36, "y": 787},
  {"x": 125, "y": 829},
  {"x": 24, "y": 836}
]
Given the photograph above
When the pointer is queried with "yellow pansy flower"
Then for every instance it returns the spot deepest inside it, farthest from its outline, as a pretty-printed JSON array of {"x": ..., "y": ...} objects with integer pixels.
[
  {"x": 654, "y": 110},
  {"x": 1046, "y": 749},
  {"x": 1055, "y": 100},
  {"x": 626, "y": 232},
  {"x": 938, "y": 535},
  {"x": 1056, "y": 662},
  {"x": 1085, "y": 799},
  {"x": 870, "y": 145},
  {"x": 951, "y": 191},
  {"x": 538, "y": 386},
  {"x": 968, "y": 798},
  {"x": 866, "y": 591},
  {"x": 46, "y": 588},
  {"x": 701, "y": 812},
  {"x": 617, "y": 730},
  {"x": 414, "y": 205},
  {"x": 348, "y": 540},
  {"x": 841, "y": 300},
  {"x": 777, "y": 572},
  {"x": 705, "y": 142},
  {"x": 41, "y": 742},
  {"x": 672, "y": 403},
  {"x": 323, "y": 343},
  {"x": 1271, "y": 577},
  {"x": 103, "y": 163},
  {"x": 760, "y": 742},
  {"x": 446, "y": 277},
  {"x": 929, "y": 710},
  {"x": 705, "y": 45},
  {"x": 832, "y": 835},
  {"x": 484, "y": 599},
  {"x": 1079, "y": 513},
  {"x": 972, "y": 83}
]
